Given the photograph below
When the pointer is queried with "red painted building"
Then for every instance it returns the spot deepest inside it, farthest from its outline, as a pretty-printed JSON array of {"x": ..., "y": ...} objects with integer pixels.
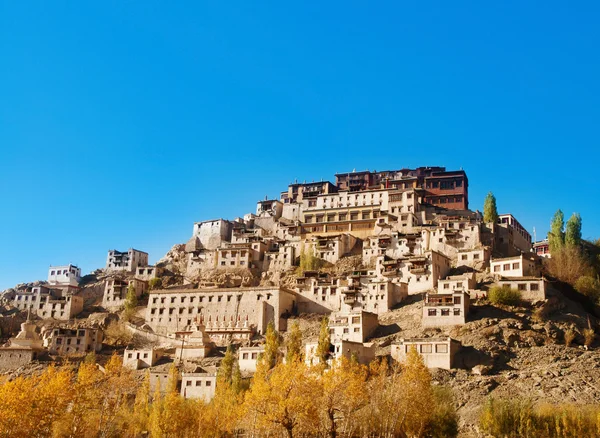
[{"x": 446, "y": 189}]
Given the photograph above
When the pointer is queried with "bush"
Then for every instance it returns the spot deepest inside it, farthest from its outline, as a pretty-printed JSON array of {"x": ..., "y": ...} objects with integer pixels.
[
  {"x": 570, "y": 334},
  {"x": 589, "y": 335},
  {"x": 504, "y": 295},
  {"x": 589, "y": 286},
  {"x": 154, "y": 283},
  {"x": 568, "y": 264},
  {"x": 519, "y": 418},
  {"x": 444, "y": 421}
]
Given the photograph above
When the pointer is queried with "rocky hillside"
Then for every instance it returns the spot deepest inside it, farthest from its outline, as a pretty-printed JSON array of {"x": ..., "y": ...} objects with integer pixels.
[{"x": 506, "y": 352}]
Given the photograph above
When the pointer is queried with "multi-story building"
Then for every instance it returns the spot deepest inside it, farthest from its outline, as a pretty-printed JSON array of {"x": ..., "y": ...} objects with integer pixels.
[
  {"x": 420, "y": 272},
  {"x": 447, "y": 189},
  {"x": 355, "y": 326},
  {"x": 61, "y": 341},
  {"x": 126, "y": 261},
  {"x": 297, "y": 193},
  {"x": 445, "y": 309},
  {"x": 115, "y": 291},
  {"x": 436, "y": 352},
  {"x": 246, "y": 308},
  {"x": 58, "y": 302},
  {"x": 542, "y": 248},
  {"x": 269, "y": 208},
  {"x": 511, "y": 237},
  {"x": 68, "y": 274}
]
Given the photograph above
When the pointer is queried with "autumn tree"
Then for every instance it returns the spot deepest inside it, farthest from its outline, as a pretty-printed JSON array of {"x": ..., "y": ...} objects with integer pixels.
[
  {"x": 324, "y": 343},
  {"x": 573, "y": 231},
  {"x": 343, "y": 393},
  {"x": 294, "y": 343},
  {"x": 271, "y": 356},
  {"x": 141, "y": 407},
  {"x": 490, "y": 211},
  {"x": 556, "y": 236},
  {"x": 416, "y": 405},
  {"x": 283, "y": 400}
]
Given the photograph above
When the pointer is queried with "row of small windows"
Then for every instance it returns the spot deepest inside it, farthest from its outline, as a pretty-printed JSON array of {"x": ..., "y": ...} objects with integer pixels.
[
  {"x": 443, "y": 312},
  {"x": 507, "y": 267},
  {"x": 354, "y": 216},
  {"x": 198, "y": 383},
  {"x": 428, "y": 348},
  {"x": 192, "y": 299}
]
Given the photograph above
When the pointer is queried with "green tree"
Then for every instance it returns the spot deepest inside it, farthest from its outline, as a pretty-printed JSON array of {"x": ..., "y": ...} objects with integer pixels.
[
  {"x": 308, "y": 260},
  {"x": 131, "y": 300},
  {"x": 324, "y": 342},
  {"x": 556, "y": 237},
  {"x": 490, "y": 211},
  {"x": 294, "y": 343},
  {"x": 573, "y": 233}
]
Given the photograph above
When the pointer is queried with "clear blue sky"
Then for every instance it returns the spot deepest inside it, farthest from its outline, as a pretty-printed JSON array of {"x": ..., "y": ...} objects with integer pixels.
[{"x": 123, "y": 122}]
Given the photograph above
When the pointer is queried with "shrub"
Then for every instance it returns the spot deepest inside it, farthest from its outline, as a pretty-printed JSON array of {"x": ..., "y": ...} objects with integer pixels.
[
  {"x": 588, "y": 335},
  {"x": 154, "y": 283},
  {"x": 117, "y": 334},
  {"x": 588, "y": 286},
  {"x": 444, "y": 421},
  {"x": 504, "y": 295},
  {"x": 568, "y": 264},
  {"x": 570, "y": 334},
  {"x": 519, "y": 418}
]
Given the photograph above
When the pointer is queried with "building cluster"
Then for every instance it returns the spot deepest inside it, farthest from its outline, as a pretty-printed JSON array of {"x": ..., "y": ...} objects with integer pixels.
[
  {"x": 410, "y": 231},
  {"x": 58, "y": 339}
]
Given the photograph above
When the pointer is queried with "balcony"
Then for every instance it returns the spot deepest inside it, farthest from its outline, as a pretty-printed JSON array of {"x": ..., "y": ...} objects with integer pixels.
[
  {"x": 418, "y": 270},
  {"x": 349, "y": 299},
  {"x": 440, "y": 304},
  {"x": 390, "y": 273}
]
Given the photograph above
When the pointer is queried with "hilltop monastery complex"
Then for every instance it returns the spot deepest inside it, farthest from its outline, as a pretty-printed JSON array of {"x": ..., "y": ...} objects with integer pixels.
[{"x": 406, "y": 234}]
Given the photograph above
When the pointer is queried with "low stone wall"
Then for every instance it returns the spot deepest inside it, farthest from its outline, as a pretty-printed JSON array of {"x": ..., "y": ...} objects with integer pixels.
[{"x": 152, "y": 337}]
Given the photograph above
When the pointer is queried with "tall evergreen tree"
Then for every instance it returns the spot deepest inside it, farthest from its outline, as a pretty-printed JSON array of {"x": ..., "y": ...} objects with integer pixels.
[
  {"x": 490, "y": 211},
  {"x": 556, "y": 237},
  {"x": 573, "y": 233}
]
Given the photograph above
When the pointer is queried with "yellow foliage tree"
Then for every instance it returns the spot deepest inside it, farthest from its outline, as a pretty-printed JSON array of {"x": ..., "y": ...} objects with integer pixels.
[
  {"x": 283, "y": 400},
  {"x": 342, "y": 390}
]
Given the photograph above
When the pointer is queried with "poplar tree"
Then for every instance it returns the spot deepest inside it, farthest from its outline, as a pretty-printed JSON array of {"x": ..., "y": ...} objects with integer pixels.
[
  {"x": 556, "y": 237},
  {"x": 294, "y": 343},
  {"x": 270, "y": 357},
  {"x": 131, "y": 300},
  {"x": 573, "y": 233},
  {"x": 324, "y": 342},
  {"x": 490, "y": 211}
]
